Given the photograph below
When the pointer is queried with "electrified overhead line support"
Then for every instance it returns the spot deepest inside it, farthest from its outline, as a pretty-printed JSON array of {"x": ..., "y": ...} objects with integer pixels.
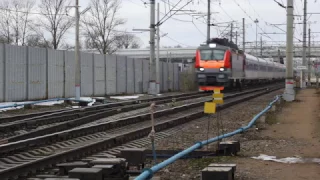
[{"x": 289, "y": 94}]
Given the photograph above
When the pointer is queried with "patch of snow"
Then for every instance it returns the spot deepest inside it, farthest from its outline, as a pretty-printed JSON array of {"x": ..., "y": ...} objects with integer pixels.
[
  {"x": 99, "y": 97},
  {"x": 124, "y": 97},
  {"x": 10, "y": 104},
  {"x": 50, "y": 103},
  {"x": 288, "y": 160}
]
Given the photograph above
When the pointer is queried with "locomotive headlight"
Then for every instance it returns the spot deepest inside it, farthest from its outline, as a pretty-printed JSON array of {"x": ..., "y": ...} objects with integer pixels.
[
  {"x": 221, "y": 69},
  {"x": 201, "y": 69}
]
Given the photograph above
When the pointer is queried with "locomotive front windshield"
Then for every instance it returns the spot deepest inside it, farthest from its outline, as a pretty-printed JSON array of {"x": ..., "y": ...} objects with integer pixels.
[{"x": 212, "y": 54}]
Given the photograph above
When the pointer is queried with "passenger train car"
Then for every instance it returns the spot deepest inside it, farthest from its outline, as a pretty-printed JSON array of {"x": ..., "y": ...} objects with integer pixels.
[{"x": 220, "y": 66}]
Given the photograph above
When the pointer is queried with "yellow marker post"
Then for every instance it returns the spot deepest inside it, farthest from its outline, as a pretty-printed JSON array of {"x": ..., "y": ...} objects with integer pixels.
[
  {"x": 209, "y": 107},
  {"x": 217, "y": 97}
]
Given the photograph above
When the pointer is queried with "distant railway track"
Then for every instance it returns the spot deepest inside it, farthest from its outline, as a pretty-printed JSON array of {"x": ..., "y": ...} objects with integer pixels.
[
  {"x": 63, "y": 120},
  {"x": 22, "y": 157},
  {"x": 39, "y": 115}
]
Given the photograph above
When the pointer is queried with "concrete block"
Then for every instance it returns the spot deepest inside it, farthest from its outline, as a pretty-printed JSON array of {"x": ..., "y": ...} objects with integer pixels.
[
  {"x": 216, "y": 173},
  {"x": 108, "y": 161},
  {"x": 64, "y": 168},
  {"x": 233, "y": 166},
  {"x": 86, "y": 173},
  {"x": 43, "y": 176},
  {"x": 119, "y": 164},
  {"x": 229, "y": 148},
  {"x": 134, "y": 156},
  {"x": 106, "y": 169}
]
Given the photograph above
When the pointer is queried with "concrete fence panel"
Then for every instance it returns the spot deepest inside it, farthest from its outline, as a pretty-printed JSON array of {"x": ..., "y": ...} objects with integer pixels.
[
  {"x": 138, "y": 74},
  {"x": 99, "y": 75},
  {"x": 170, "y": 76},
  {"x": 2, "y": 72},
  {"x": 111, "y": 74},
  {"x": 130, "y": 76},
  {"x": 30, "y": 73},
  {"x": 16, "y": 73},
  {"x": 145, "y": 71},
  {"x": 161, "y": 76},
  {"x": 70, "y": 70},
  {"x": 86, "y": 74},
  {"x": 176, "y": 76},
  {"x": 55, "y": 63},
  {"x": 165, "y": 76},
  {"x": 37, "y": 73},
  {"x": 121, "y": 74}
]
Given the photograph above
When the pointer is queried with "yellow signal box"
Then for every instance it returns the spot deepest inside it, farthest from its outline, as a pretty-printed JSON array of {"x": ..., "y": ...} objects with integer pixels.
[
  {"x": 209, "y": 107},
  {"x": 217, "y": 98}
]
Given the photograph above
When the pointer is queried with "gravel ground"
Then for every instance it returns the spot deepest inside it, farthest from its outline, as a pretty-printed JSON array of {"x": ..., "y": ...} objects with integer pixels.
[{"x": 230, "y": 119}]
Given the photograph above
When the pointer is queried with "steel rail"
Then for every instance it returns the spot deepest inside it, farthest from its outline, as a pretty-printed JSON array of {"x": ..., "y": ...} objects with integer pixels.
[{"x": 116, "y": 137}]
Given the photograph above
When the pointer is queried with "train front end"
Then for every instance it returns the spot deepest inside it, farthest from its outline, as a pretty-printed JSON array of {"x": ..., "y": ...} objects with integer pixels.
[{"x": 213, "y": 67}]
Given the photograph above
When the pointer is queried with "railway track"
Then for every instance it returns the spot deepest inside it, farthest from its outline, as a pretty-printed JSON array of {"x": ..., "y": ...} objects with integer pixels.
[
  {"x": 62, "y": 120},
  {"x": 46, "y": 114},
  {"x": 26, "y": 156}
]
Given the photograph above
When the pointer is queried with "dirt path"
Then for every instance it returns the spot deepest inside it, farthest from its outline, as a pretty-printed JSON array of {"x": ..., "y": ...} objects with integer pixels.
[{"x": 296, "y": 134}]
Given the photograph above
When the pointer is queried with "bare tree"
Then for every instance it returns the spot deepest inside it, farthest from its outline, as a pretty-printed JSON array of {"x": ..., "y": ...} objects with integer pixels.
[
  {"x": 55, "y": 20},
  {"x": 37, "y": 41},
  {"x": 99, "y": 25},
  {"x": 127, "y": 41},
  {"x": 135, "y": 45},
  {"x": 21, "y": 20},
  {"x": 5, "y": 23}
]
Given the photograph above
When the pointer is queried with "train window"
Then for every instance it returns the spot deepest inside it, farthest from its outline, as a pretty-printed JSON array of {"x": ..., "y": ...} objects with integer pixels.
[{"x": 212, "y": 54}]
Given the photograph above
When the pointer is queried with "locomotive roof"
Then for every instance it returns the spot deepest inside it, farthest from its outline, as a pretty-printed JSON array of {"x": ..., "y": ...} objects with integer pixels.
[{"x": 248, "y": 56}]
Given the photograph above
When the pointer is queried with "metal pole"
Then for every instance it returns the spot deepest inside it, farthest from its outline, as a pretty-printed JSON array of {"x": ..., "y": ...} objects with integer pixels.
[
  {"x": 304, "y": 41},
  {"x": 77, "y": 73},
  {"x": 152, "y": 81},
  {"x": 208, "y": 21},
  {"x": 244, "y": 34},
  {"x": 231, "y": 31},
  {"x": 261, "y": 46},
  {"x": 236, "y": 37},
  {"x": 256, "y": 21},
  {"x": 316, "y": 73},
  {"x": 309, "y": 63},
  {"x": 158, "y": 51},
  {"x": 289, "y": 93}
]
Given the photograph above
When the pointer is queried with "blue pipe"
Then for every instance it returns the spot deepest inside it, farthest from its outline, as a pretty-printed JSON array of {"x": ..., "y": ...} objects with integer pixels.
[
  {"x": 148, "y": 173},
  {"x": 37, "y": 102}
]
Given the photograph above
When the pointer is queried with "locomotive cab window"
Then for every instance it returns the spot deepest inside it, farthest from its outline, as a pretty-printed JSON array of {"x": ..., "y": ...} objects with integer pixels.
[{"x": 212, "y": 54}]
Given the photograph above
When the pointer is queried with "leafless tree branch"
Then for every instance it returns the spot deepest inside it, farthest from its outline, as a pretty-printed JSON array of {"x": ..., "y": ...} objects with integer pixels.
[
  {"x": 54, "y": 19},
  {"x": 99, "y": 25}
]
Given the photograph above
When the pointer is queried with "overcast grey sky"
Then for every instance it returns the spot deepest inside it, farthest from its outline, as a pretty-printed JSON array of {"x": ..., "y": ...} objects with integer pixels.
[{"x": 188, "y": 31}]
